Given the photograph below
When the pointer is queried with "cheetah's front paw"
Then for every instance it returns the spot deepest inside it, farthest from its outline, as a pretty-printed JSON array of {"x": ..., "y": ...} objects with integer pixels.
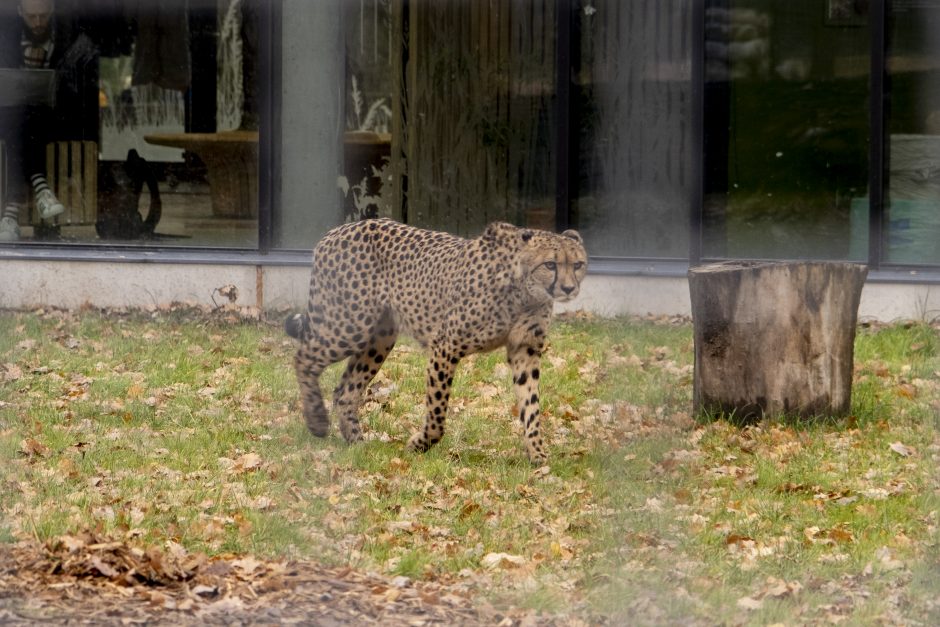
[
  {"x": 418, "y": 443},
  {"x": 350, "y": 430},
  {"x": 537, "y": 456}
]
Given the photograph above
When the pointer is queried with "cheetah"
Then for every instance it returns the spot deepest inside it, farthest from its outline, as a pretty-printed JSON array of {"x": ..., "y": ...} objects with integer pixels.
[{"x": 376, "y": 279}]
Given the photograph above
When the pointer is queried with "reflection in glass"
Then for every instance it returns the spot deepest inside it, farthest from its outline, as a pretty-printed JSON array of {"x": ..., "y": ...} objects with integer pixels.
[
  {"x": 449, "y": 115},
  {"x": 475, "y": 100},
  {"x": 786, "y": 129},
  {"x": 633, "y": 107},
  {"x": 461, "y": 95},
  {"x": 912, "y": 202}
]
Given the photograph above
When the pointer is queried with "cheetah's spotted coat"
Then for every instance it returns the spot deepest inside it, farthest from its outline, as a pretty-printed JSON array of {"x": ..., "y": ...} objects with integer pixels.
[{"x": 375, "y": 279}]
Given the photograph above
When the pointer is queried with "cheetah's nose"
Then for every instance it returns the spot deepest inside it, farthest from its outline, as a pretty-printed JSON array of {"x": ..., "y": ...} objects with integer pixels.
[{"x": 567, "y": 289}]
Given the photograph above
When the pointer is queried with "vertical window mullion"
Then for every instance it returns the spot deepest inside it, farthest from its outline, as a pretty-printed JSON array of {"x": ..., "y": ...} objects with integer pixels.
[
  {"x": 269, "y": 35},
  {"x": 877, "y": 145},
  {"x": 697, "y": 187},
  {"x": 563, "y": 121}
]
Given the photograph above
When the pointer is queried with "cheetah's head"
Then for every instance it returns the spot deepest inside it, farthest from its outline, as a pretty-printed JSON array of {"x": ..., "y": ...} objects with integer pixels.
[{"x": 553, "y": 265}]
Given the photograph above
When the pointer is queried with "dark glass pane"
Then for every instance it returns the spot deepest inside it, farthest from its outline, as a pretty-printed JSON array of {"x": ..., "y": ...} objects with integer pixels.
[
  {"x": 476, "y": 99},
  {"x": 786, "y": 135},
  {"x": 912, "y": 146}
]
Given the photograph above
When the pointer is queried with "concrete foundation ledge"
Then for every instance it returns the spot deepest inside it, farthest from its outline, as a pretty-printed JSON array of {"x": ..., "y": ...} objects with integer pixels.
[{"x": 27, "y": 283}]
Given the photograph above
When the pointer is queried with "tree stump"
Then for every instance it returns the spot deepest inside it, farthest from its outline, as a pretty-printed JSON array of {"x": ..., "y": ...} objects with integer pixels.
[{"x": 774, "y": 338}]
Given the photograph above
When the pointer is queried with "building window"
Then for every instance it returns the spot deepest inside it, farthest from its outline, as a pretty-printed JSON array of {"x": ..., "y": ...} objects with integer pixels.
[
  {"x": 453, "y": 119},
  {"x": 911, "y": 225},
  {"x": 256, "y": 126},
  {"x": 152, "y": 136},
  {"x": 786, "y": 129},
  {"x": 632, "y": 113}
]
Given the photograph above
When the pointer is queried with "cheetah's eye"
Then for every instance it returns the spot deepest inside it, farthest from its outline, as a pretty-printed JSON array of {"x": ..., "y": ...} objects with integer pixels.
[
  {"x": 578, "y": 265},
  {"x": 551, "y": 265}
]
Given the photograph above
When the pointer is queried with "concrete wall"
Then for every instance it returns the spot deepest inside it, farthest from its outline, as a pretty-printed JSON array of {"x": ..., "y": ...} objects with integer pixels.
[{"x": 71, "y": 284}]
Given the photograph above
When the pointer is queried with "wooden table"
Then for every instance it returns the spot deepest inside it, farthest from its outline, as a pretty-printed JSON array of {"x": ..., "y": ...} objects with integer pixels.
[{"x": 231, "y": 158}]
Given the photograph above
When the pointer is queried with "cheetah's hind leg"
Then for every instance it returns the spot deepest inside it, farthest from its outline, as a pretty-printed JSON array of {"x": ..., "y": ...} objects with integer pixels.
[
  {"x": 309, "y": 363},
  {"x": 360, "y": 370}
]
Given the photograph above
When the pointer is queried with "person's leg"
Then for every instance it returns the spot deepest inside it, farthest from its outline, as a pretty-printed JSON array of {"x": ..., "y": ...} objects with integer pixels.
[
  {"x": 36, "y": 124},
  {"x": 16, "y": 192}
]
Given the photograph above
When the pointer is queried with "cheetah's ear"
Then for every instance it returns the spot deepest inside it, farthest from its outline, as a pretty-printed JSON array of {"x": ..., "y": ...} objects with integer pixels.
[
  {"x": 573, "y": 235},
  {"x": 526, "y": 235}
]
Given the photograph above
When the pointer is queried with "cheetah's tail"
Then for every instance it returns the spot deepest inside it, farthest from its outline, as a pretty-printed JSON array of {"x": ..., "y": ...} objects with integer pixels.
[{"x": 297, "y": 326}]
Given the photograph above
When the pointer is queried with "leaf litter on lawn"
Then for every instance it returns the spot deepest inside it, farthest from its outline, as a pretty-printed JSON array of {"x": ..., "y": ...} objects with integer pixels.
[
  {"x": 822, "y": 520},
  {"x": 94, "y": 579}
]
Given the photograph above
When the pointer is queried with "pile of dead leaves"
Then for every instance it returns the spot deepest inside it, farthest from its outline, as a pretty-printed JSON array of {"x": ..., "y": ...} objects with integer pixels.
[
  {"x": 92, "y": 579},
  {"x": 88, "y": 556}
]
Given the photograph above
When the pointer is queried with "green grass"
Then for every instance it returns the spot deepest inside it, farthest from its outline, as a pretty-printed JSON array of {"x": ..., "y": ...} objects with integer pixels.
[{"x": 185, "y": 427}]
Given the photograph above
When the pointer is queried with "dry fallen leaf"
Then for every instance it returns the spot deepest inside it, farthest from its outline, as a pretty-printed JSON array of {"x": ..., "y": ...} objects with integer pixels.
[
  {"x": 104, "y": 568},
  {"x": 750, "y": 603},
  {"x": 493, "y": 561},
  {"x": 733, "y": 539},
  {"x": 398, "y": 466},
  {"x": 228, "y": 291},
  {"x": 10, "y": 372},
  {"x": 135, "y": 391},
  {"x": 246, "y": 463},
  {"x": 262, "y": 502},
  {"x": 886, "y": 557},
  {"x": 247, "y": 566},
  {"x": 815, "y": 535},
  {"x": 487, "y": 391},
  {"x": 26, "y": 345},
  {"x": 31, "y": 447},
  {"x": 70, "y": 543},
  {"x": 778, "y": 589},
  {"x": 901, "y": 449},
  {"x": 406, "y": 526}
]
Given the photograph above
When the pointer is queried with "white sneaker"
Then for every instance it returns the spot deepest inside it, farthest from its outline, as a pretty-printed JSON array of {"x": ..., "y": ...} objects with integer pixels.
[
  {"x": 48, "y": 205},
  {"x": 9, "y": 229}
]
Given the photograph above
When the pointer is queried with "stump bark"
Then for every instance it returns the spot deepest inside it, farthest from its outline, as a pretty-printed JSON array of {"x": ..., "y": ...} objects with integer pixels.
[{"x": 775, "y": 337}]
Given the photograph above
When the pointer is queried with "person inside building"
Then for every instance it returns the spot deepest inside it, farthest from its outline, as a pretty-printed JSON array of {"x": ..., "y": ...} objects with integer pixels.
[{"x": 38, "y": 40}]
